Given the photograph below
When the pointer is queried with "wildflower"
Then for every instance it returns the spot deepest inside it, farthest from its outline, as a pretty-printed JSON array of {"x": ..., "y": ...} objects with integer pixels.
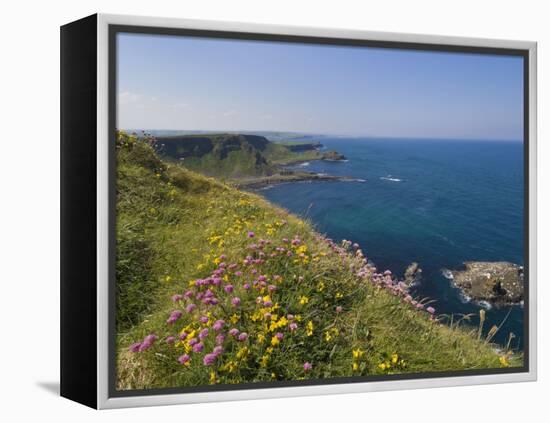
[
  {"x": 177, "y": 297},
  {"x": 236, "y": 301},
  {"x": 184, "y": 359},
  {"x": 197, "y": 348},
  {"x": 242, "y": 353},
  {"x": 203, "y": 333},
  {"x": 243, "y": 336},
  {"x": 193, "y": 341},
  {"x": 271, "y": 288},
  {"x": 338, "y": 309},
  {"x": 135, "y": 347},
  {"x": 203, "y": 319},
  {"x": 238, "y": 273},
  {"x": 246, "y": 286},
  {"x": 174, "y": 316},
  {"x": 147, "y": 342},
  {"x": 394, "y": 358},
  {"x": 304, "y": 300},
  {"x": 275, "y": 341},
  {"x": 309, "y": 330},
  {"x": 190, "y": 308},
  {"x": 261, "y": 338},
  {"x": 170, "y": 339},
  {"x": 168, "y": 278},
  {"x": 264, "y": 360},
  {"x": 234, "y": 318},
  {"x": 218, "y": 325},
  {"x": 220, "y": 339},
  {"x": 307, "y": 366},
  {"x": 250, "y": 234},
  {"x": 504, "y": 361},
  {"x": 228, "y": 288},
  {"x": 217, "y": 350},
  {"x": 293, "y": 327},
  {"x": 209, "y": 359},
  {"x": 430, "y": 310},
  {"x": 383, "y": 366},
  {"x": 234, "y": 332}
]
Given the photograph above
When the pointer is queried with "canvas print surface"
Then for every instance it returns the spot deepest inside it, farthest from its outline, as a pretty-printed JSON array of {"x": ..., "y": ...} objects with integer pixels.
[{"x": 296, "y": 212}]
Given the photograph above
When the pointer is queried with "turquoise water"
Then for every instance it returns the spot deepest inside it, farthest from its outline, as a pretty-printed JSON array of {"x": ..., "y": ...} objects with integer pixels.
[{"x": 436, "y": 202}]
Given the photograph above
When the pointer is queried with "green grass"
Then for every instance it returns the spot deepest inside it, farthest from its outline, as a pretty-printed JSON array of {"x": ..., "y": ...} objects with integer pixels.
[{"x": 173, "y": 225}]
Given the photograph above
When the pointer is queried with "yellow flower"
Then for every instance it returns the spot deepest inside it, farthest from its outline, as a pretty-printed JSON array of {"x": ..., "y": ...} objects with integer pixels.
[
  {"x": 383, "y": 366},
  {"x": 304, "y": 300},
  {"x": 358, "y": 353},
  {"x": 321, "y": 286},
  {"x": 168, "y": 278},
  {"x": 234, "y": 319},
  {"x": 339, "y": 295},
  {"x": 394, "y": 358},
  {"x": 275, "y": 341},
  {"x": 309, "y": 328},
  {"x": 261, "y": 338},
  {"x": 355, "y": 366},
  {"x": 264, "y": 360},
  {"x": 504, "y": 361},
  {"x": 242, "y": 353},
  {"x": 213, "y": 377}
]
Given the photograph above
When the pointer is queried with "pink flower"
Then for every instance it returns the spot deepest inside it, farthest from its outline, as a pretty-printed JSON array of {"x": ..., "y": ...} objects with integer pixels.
[
  {"x": 246, "y": 286},
  {"x": 279, "y": 336},
  {"x": 190, "y": 308},
  {"x": 234, "y": 332},
  {"x": 243, "y": 336},
  {"x": 338, "y": 309},
  {"x": 218, "y": 350},
  {"x": 203, "y": 319},
  {"x": 203, "y": 333},
  {"x": 430, "y": 310},
  {"x": 170, "y": 339},
  {"x": 228, "y": 288},
  {"x": 177, "y": 297},
  {"x": 250, "y": 234},
  {"x": 209, "y": 359},
  {"x": 135, "y": 347},
  {"x": 184, "y": 358},
  {"x": 174, "y": 316},
  {"x": 198, "y": 347},
  {"x": 218, "y": 325},
  {"x": 193, "y": 341},
  {"x": 307, "y": 366},
  {"x": 293, "y": 326},
  {"x": 220, "y": 339},
  {"x": 238, "y": 273},
  {"x": 236, "y": 301}
]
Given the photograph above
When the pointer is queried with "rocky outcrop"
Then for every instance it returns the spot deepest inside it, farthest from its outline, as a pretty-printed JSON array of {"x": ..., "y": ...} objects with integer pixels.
[{"x": 494, "y": 282}]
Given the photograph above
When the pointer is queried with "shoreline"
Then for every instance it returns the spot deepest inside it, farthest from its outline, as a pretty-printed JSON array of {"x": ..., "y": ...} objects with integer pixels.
[{"x": 263, "y": 181}]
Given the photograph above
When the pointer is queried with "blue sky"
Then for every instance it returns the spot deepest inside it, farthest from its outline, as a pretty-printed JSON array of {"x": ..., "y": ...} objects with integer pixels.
[{"x": 169, "y": 82}]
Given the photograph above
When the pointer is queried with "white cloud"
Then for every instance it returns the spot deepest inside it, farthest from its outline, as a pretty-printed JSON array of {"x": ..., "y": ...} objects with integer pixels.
[{"x": 127, "y": 97}]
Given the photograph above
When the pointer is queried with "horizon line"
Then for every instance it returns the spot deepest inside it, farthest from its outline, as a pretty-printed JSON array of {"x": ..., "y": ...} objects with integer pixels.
[{"x": 335, "y": 135}]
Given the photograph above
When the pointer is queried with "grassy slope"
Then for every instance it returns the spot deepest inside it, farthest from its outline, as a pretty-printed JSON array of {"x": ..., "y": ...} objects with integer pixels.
[{"x": 172, "y": 227}]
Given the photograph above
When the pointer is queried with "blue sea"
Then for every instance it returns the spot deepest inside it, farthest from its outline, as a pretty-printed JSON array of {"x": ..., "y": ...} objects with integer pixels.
[{"x": 436, "y": 202}]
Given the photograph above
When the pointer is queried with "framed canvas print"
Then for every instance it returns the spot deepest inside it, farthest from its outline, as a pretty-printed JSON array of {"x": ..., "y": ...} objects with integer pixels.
[{"x": 254, "y": 211}]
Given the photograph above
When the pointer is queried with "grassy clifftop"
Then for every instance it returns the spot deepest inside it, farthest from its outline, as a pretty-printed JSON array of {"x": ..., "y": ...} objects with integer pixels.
[
  {"x": 233, "y": 155},
  {"x": 215, "y": 285}
]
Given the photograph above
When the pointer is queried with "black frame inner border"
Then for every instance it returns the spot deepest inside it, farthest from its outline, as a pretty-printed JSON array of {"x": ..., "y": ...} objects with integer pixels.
[{"x": 114, "y": 29}]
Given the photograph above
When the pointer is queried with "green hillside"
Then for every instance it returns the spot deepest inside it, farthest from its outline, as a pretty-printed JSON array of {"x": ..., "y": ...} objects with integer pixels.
[
  {"x": 272, "y": 299},
  {"x": 233, "y": 155}
]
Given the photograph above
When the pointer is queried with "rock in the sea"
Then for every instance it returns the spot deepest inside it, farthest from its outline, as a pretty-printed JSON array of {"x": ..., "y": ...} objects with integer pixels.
[
  {"x": 332, "y": 155},
  {"x": 412, "y": 274},
  {"x": 496, "y": 282}
]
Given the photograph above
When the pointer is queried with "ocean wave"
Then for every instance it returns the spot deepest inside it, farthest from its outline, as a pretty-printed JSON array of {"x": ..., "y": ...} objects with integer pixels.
[
  {"x": 304, "y": 164},
  {"x": 447, "y": 274},
  {"x": 390, "y": 178}
]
